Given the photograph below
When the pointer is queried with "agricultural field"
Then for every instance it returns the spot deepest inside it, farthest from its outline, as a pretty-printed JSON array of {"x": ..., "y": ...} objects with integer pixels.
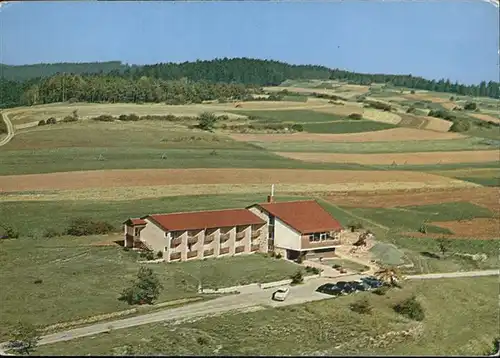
[{"x": 468, "y": 323}]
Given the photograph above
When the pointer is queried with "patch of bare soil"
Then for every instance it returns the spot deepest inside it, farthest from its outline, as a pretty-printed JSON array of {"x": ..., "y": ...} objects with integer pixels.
[
  {"x": 485, "y": 117},
  {"x": 397, "y": 158}
]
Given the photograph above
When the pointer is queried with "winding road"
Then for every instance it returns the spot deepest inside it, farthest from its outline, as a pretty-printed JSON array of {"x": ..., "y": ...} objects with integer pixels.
[
  {"x": 246, "y": 301},
  {"x": 10, "y": 129}
]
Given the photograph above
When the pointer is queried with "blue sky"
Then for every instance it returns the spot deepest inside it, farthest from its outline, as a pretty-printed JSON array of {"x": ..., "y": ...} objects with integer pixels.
[{"x": 435, "y": 39}]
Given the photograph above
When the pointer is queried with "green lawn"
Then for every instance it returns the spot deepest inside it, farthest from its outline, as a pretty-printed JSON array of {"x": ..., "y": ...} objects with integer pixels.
[
  {"x": 411, "y": 218},
  {"x": 295, "y": 98},
  {"x": 466, "y": 327},
  {"x": 82, "y": 281},
  {"x": 349, "y": 265},
  {"x": 295, "y": 116},
  {"x": 348, "y": 126},
  {"x": 377, "y": 147},
  {"x": 495, "y": 181},
  {"x": 33, "y": 218}
]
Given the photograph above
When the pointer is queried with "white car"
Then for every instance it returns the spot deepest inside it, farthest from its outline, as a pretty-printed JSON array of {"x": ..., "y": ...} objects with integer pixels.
[{"x": 281, "y": 294}]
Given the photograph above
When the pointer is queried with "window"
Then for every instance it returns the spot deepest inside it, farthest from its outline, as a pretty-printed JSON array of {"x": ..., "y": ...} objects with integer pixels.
[
  {"x": 317, "y": 237},
  {"x": 136, "y": 231},
  {"x": 323, "y": 236},
  {"x": 166, "y": 248}
]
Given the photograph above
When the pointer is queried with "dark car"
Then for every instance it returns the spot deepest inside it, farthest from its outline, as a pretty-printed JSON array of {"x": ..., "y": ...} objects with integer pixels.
[
  {"x": 346, "y": 287},
  {"x": 360, "y": 286},
  {"x": 329, "y": 289},
  {"x": 372, "y": 282}
]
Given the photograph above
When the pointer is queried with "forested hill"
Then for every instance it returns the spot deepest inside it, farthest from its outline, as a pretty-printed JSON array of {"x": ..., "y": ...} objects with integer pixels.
[
  {"x": 235, "y": 71},
  {"x": 26, "y": 72}
]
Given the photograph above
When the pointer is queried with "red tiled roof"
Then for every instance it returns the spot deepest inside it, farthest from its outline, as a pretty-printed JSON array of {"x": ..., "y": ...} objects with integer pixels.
[
  {"x": 206, "y": 219},
  {"x": 133, "y": 222},
  {"x": 304, "y": 216}
]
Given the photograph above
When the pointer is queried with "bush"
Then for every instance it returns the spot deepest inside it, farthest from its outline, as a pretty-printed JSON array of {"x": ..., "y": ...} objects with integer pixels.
[
  {"x": 411, "y": 110},
  {"x": 297, "y": 127},
  {"x": 68, "y": 119},
  {"x": 144, "y": 290},
  {"x": 355, "y": 226},
  {"x": 313, "y": 270},
  {"x": 441, "y": 113},
  {"x": 412, "y": 92},
  {"x": 72, "y": 100},
  {"x": 51, "y": 233},
  {"x": 470, "y": 106},
  {"x": 42, "y": 122},
  {"x": 24, "y": 338},
  {"x": 104, "y": 118},
  {"x": 460, "y": 126},
  {"x": 206, "y": 121},
  {"x": 278, "y": 256},
  {"x": 361, "y": 307},
  {"x": 381, "y": 291},
  {"x": 85, "y": 227},
  {"x": 297, "y": 278},
  {"x": 51, "y": 120},
  {"x": 8, "y": 232},
  {"x": 410, "y": 308},
  {"x": 355, "y": 116},
  {"x": 38, "y": 281},
  {"x": 159, "y": 254}
]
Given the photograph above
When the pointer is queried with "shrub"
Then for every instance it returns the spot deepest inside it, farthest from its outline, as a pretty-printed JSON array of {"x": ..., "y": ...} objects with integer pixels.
[
  {"x": 145, "y": 289},
  {"x": 206, "y": 121},
  {"x": 313, "y": 270},
  {"x": 278, "y": 256},
  {"x": 104, "y": 118},
  {"x": 381, "y": 291},
  {"x": 452, "y": 98},
  {"x": 50, "y": 232},
  {"x": 441, "y": 113},
  {"x": 412, "y": 92},
  {"x": 51, "y": 120},
  {"x": 460, "y": 126},
  {"x": 410, "y": 308},
  {"x": 297, "y": 127},
  {"x": 159, "y": 254},
  {"x": 85, "y": 226},
  {"x": 411, "y": 110},
  {"x": 355, "y": 226},
  {"x": 38, "y": 281},
  {"x": 297, "y": 277},
  {"x": 423, "y": 229},
  {"x": 42, "y": 122},
  {"x": 355, "y": 116},
  {"x": 68, "y": 119},
  {"x": 9, "y": 232},
  {"x": 361, "y": 307},
  {"x": 24, "y": 338},
  {"x": 470, "y": 106}
]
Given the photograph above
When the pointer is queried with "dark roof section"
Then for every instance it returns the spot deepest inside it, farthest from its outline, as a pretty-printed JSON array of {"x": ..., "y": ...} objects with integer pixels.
[
  {"x": 305, "y": 216},
  {"x": 205, "y": 219},
  {"x": 135, "y": 222}
]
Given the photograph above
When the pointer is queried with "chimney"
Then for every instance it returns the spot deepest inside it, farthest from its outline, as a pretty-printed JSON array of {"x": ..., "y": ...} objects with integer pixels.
[{"x": 271, "y": 197}]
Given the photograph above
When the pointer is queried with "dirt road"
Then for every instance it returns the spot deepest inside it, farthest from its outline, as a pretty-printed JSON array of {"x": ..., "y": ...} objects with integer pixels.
[{"x": 10, "y": 130}]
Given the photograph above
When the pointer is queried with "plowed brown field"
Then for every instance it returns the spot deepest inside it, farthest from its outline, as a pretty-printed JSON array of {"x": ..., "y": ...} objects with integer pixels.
[
  {"x": 152, "y": 177},
  {"x": 487, "y": 197},
  {"x": 481, "y": 228},
  {"x": 485, "y": 117},
  {"x": 398, "y": 158},
  {"x": 386, "y": 135}
]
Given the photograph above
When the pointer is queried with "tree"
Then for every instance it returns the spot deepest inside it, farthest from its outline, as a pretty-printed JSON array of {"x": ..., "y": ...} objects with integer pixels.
[
  {"x": 443, "y": 246},
  {"x": 470, "y": 106},
  {"x": 410, "y": 308},
  {"x": 297, "y": 277},
  {"x": 389, "y": 275},
  {"x": 24, "y": 338},
  {"x": 207, "y": 121},
  {"x": 145, "y": 289}
]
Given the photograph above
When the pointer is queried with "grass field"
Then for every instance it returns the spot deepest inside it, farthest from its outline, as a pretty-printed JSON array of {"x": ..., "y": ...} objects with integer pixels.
[
  {"x": 376, "y": 147},
  {"x": 411, "y": 218},
  {"x": 466, "y": 327},
  {"x": 81, "y": 280},
  {"x": 355, "y": 126},
  {"x": 290, "y": 116}
]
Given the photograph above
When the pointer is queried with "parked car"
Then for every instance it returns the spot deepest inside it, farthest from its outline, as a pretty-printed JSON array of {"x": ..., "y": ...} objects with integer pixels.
[
  {"x": 346, "y": 287},
  {"x": 281, "y": 294},
  {"x": 373, "y": 282},
  {"x": 330, "y": 289},
  {"x": 360, "y": 286}
]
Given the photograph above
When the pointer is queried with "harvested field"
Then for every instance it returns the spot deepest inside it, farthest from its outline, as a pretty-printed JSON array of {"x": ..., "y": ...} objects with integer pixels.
[
  {"x": 380, "y": 116},
  {"x": 486, "y": 197},
  {"x": 142, "y": 192},
  {"x": 480, "y": 228},
  {"x": 398, "y": 158},
  {"x": 154, "y": 177},
  {"x": 485, "y": 117},
  {"x": 340, "y": 110},
  {"x": 411, "y": 121},
  {"x": 438, "y": 125},
  {"x": 387, "y": 135}
]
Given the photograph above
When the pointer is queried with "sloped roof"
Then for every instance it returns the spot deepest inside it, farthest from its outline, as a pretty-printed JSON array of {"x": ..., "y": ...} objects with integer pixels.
[
  {"x": 205, "y": 219},
  {"x": 305, "y": 216},
  {"x": 135, "y": 221}
]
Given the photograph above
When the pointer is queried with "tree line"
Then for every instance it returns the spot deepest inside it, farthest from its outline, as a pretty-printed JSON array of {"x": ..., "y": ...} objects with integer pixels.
[{"x": 188, "y": 81}]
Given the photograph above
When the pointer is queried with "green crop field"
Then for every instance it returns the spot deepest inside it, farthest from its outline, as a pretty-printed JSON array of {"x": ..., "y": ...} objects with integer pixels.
[
  {"x": 411, "y": 218},
  {"x": 80, "y": 280},
  {"x": 290, "y": 116},
  {"x": 377, "y": 147},
  {"x": 348, "y": 126},
  {"x": 466, "y": 327}
]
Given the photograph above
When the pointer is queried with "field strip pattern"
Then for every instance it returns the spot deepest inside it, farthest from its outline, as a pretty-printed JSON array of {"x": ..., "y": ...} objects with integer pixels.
[
  {"x": 153, "y": 177},
  {"x": 385, "y": 135},
  {"x": 419, "y": 158},
  {"x": 141, "y": 192}
]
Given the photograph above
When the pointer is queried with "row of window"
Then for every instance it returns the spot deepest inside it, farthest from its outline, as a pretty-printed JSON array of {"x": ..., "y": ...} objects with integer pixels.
[{"x": 319, "y": 236}]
